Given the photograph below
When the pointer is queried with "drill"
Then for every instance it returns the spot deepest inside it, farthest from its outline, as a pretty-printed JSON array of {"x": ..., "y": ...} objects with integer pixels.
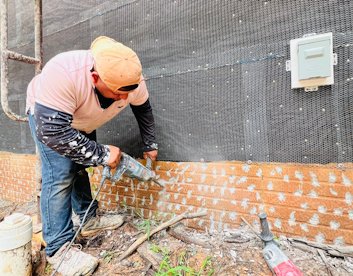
[
  {"x": 133, "y": 169},
  {"x": 275, "y": 258}
]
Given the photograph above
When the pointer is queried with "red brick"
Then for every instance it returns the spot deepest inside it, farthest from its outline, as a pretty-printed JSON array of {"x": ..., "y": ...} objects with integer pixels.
[{"x": 227, "y": 190}]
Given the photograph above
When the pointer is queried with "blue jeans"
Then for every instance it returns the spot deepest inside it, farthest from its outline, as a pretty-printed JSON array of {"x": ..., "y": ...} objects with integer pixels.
[{"x": 65, "y": 187}]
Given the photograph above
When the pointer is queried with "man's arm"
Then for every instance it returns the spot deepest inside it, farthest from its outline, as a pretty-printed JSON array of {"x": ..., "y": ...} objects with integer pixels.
[
  {"x": 144, "y": 116},
  {"x": 53, "y": 128}
]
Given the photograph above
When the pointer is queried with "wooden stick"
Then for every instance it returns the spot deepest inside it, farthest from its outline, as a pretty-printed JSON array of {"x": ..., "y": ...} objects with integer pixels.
[
  {"x": 153, "y": 258},
  {"x": 303, "y": 247},
  {"x": 146, "y": 269},
  {"x": 248, "y": 224},
  {"x": 179, "y": 232},
  {"x": 174, "y": 220},
  {"x": 339, "y": 251},
  {"x": 322, "y": 255},
  {"x": 236, "y": 240}
]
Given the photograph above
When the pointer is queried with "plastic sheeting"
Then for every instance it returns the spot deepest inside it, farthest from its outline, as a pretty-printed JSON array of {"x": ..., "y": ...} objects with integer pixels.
[{"x": 216, "y": 75}]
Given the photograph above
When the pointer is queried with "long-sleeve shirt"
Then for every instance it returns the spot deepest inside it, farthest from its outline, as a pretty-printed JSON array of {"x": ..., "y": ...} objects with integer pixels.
[{"x": 66, "y": 108}]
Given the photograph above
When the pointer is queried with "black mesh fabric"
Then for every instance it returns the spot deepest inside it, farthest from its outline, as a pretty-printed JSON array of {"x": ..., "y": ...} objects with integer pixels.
[{"x": 216, "y": 75}]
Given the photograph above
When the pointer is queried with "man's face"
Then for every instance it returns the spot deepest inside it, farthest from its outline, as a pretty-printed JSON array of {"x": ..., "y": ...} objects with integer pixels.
[{"x": 107, "y": 92}]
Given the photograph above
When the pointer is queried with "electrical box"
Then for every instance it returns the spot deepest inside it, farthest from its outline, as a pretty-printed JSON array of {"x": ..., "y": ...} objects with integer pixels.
[{"x": 312, "y": 61}]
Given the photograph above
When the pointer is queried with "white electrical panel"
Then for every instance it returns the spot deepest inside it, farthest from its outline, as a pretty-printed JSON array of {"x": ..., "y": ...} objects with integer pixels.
[{"x": 312, "y": 61}]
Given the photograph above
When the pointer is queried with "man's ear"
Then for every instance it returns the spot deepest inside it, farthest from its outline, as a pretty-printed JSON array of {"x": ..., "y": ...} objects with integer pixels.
[{"x": 95, "y": 76}]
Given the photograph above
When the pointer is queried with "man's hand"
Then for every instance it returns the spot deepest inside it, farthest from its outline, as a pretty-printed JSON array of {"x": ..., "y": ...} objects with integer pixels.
[
  {"x": 115, "y": 156},
  {"x": 151, "y": 154}
]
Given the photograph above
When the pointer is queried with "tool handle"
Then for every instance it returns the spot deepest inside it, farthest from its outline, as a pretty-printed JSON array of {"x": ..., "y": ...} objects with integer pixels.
[
  {"x": 149, "y": 163},
  {"x": 266, "y": 234}
]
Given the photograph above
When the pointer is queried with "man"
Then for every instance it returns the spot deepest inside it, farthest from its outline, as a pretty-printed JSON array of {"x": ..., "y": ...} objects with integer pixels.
[{"x": 77, "y": 92}]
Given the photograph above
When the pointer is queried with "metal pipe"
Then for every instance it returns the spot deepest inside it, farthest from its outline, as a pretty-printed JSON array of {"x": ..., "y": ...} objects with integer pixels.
[
  {"x": 38, "y": 54},
  {"x": 19, "y": 57},
  {"x": 4, "y": 66},
  {"x": 38, "y": 35}
]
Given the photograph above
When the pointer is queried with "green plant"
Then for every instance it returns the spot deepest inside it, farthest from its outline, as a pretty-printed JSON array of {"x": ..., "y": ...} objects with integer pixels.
[
  {"x": 90, "y": 171},
  {"x": 166, "y": 269},
  {"x": 157, "y": 249},
  {"x": 108, "y": 256},
  {"x": 182, "y": 258},
  {"x": 145, "y": 226},
  {"x": 94, "y": 188},
  {"x": 175, "y": 271},
  {"x": 206, "y": 263},
  {"x": 48, "y": 269}
]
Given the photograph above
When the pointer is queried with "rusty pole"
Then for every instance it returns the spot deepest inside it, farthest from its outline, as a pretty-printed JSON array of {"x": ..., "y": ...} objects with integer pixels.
[
  {"x": 38, "y": 35},
  {"x": 4, "y": 65},
  {"x": 38, "y": 53}
]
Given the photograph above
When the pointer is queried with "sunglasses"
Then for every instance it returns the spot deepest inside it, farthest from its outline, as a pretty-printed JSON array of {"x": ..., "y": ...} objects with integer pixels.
[{"x": 128, "y": 88}]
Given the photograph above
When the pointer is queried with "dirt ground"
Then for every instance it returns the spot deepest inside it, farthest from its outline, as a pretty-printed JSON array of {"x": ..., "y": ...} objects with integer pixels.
[{"x": 184, "y": 251}]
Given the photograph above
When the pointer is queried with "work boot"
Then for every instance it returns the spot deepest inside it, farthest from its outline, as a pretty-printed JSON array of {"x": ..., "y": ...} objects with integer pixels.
[
  {"x": 103, "y": 222},
  {"x": 75, "y": 263}
]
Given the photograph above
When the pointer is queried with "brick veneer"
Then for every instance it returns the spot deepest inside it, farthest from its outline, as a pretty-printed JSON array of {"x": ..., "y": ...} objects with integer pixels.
[
  {"x": 312, "y": 201},
  {"x": 17, "y": 177}
]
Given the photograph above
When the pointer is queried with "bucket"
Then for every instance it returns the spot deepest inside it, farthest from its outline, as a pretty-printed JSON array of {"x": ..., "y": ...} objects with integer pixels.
[{"x": 15, "y": 245}]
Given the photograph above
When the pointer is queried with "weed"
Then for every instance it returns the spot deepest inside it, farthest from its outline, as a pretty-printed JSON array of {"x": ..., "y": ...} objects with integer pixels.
[
  {"x": 157, "y": 249},
  {"x": 108, "y": 256},
  {"x": 145, "y": 226},
  {"x": 206, "y": 263},
  {"x": 175, "y": 271},
  {"x": 182, "y": 258},
  {"x": 90, "y": 170},
  {"x": 166, "y": 269},
  {"x": 94, "y": 188},
  {"x": 48, "y": 269}
]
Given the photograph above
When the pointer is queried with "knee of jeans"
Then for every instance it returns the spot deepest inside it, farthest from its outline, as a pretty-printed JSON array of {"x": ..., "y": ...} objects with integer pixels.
[{"x": 57, "y": 167}]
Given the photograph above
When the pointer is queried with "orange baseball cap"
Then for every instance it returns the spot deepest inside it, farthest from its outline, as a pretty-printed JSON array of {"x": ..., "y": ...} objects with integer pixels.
[{"x": 116, "y": 64}]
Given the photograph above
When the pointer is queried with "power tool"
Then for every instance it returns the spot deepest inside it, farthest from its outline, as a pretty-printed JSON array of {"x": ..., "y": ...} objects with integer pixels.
[
  {"x": 134, "y": 169},
  {"x": 275, "y": 258}
]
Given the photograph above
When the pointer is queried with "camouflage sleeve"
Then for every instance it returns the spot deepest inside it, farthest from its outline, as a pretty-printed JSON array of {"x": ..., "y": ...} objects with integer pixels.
[{"x": 53, "y": 128}]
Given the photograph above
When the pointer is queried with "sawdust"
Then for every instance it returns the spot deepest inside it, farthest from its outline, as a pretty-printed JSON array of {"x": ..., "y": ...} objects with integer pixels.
[{"x": 234, "y": 252}]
